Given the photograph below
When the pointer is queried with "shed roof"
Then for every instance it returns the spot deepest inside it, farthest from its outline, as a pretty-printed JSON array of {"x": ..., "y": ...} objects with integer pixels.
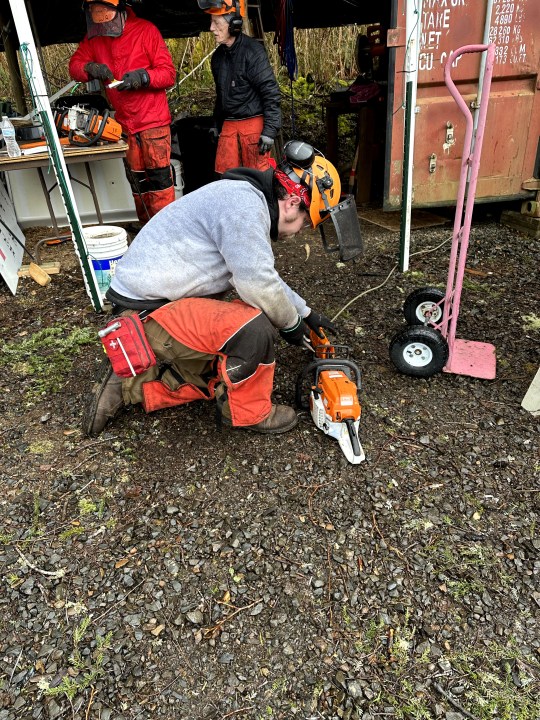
[{"x": 62, "y": 21}]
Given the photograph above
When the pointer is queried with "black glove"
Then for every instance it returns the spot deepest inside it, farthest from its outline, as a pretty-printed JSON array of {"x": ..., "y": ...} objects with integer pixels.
[
  {"x": 134, "y": 80},
  {"x": 296, "y": 334},
  {"x": 315, "y": 322},
  {"x": 99, "y": 71},
  {"x": 213, "y": 132},
  {"x": 265, "y": 144}
]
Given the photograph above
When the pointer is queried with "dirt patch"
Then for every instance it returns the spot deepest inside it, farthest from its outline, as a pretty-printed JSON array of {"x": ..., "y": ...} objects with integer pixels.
[{"x": 165, "y": 570}]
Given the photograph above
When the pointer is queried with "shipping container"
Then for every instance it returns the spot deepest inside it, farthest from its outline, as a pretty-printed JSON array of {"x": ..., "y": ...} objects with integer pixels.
[{"x": 510, "y": 164}]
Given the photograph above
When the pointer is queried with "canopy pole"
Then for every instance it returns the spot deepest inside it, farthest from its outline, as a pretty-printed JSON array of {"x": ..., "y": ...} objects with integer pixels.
[
  {"x": 413, "y": 25},
  {"x": 40, "y": 99},
  {"x": 6, "y": 29}
]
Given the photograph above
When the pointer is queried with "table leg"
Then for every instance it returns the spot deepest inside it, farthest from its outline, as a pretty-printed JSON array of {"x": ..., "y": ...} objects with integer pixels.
[
  {"x": 46, "y": 193},
  {"x": 93, "y": 192}
]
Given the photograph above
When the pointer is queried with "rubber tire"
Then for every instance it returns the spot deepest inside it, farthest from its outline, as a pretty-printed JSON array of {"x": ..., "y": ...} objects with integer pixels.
[
  {"x": 428, "y": 342},
  {"x": 411, "y": 306}
]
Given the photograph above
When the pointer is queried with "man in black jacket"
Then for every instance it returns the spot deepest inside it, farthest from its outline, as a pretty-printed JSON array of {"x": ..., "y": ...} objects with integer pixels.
[{"x": 247, "y": 111}]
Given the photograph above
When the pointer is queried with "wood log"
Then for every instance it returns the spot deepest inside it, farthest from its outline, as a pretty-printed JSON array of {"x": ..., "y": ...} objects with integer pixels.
[
  {"x": 51, "y": 268},
  {"x": 38, "y": 274}
]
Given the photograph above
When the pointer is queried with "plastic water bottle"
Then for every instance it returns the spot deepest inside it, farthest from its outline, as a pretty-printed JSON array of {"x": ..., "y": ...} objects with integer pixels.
[{"x": 8, "y": 131}]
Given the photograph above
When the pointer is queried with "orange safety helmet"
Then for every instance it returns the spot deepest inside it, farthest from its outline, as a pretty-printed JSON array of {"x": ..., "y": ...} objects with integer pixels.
[
  {"x": 317, "y": 174},
  {"x": 223, "y": 7}
]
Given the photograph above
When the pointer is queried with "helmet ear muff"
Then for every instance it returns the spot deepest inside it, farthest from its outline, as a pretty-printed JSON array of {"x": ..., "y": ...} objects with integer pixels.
[
  {"x": 235, "y": 25},
  {"x": 237, "y": 22}
]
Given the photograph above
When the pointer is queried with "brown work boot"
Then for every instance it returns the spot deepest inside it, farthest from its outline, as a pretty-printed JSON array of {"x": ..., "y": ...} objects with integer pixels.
[
  {"x": 281, "y": 419},
  {"x": 106, "y": 402}
]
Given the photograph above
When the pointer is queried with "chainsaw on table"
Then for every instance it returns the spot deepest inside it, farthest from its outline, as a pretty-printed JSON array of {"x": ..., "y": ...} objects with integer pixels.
[
  {"x": 333, "y": 395},
  {"x": 85, "y": 126}
]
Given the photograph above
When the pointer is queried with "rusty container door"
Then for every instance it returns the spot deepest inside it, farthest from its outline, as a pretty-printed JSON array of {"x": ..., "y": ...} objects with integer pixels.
[{"x": 511, "y": 154}]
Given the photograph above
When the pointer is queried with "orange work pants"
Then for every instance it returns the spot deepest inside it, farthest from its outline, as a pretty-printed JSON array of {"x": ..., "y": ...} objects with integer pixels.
[
  {"x": 205, "y": 342},
  {"x": 148, "y": 161},
  {"x": 238, "y": 145}
]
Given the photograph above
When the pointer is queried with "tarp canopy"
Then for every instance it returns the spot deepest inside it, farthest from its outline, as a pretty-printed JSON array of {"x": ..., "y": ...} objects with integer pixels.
[{"x": 62, "y": 21}]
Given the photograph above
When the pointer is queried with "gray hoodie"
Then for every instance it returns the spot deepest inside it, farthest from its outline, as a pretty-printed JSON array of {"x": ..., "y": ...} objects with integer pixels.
[{"x": 211, "y": 240}]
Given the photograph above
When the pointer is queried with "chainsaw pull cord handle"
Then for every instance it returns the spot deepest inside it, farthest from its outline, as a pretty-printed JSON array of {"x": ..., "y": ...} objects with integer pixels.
[{"x": 93, "y": 116}]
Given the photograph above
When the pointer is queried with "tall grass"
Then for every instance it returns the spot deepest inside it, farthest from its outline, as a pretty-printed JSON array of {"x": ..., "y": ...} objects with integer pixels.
[
  {"x": 326, "y": 61},
  {"x": 325, "y": 55}
]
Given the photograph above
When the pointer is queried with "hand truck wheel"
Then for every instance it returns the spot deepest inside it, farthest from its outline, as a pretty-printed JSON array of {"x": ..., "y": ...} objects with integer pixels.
[
  {"x": 424, "y": 306},
  {"x": 419, "y": 351}
]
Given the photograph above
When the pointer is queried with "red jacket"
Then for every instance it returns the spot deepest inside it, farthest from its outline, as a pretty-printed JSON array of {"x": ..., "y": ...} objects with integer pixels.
[{"x": 139, "y": 46}]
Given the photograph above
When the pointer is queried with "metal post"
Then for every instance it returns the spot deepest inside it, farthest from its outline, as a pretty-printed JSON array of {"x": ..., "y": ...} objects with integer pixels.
[
  {"x": 413, "y": 30},
  {"x": 30, "y": 62},
  {"x": 483, "y": 60}
]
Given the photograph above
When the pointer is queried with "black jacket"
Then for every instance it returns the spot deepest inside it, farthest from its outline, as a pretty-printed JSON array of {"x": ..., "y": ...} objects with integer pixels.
[{"x": 246, "y": 85}]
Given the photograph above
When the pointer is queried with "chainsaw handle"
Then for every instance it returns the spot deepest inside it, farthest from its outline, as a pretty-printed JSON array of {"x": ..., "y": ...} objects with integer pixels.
[
  {"x": 320, "y": 365},
  {"x": 317, "y": 366}
]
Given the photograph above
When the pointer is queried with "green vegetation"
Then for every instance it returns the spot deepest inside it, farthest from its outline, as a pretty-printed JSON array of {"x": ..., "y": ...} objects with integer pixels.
[
  {"x": 532, "y": 322},
  {"x": 85, "y": 671},
  {"x": 501, "y": 683},
  {"x": 72, "y": 531},
  {"x": 44, "y": 358}
]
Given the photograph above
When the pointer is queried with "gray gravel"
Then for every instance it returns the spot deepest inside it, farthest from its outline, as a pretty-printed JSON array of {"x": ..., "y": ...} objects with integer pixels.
[{"x": 165, "y": 570}]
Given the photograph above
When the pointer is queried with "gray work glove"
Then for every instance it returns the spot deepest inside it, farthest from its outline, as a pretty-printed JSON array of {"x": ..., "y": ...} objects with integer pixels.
[
  {"x": 265, "y": 144},
  {"x": 134, "y": 80},
  {"x": 100, "y": 71}
]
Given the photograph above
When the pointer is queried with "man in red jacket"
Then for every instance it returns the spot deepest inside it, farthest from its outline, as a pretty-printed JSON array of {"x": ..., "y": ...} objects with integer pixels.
[{"x": 120, "y": 46}]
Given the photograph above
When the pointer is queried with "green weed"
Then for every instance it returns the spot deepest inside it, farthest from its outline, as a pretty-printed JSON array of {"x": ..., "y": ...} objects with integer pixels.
[
  {"x": 87, "y": 674},
  {"x": 44, "y": 358},
  {"x": 71, "y": 532},
  {"x": 87, "y": 507},
  {"x": 532, "y": 322}
]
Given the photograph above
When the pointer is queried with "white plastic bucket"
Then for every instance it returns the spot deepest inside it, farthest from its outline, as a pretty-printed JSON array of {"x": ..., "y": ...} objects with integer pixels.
[
  {"x": 106, "y": 244},
  {"x": 178, "y": 178}
]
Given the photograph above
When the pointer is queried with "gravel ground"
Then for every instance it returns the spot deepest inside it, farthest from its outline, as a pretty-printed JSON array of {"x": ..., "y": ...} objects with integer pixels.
[{"x": 165, "y": 570}]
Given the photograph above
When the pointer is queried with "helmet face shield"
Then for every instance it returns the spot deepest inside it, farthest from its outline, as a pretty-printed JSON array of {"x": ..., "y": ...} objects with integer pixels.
[
  {"x": 208, "y": 5},
  {"x": 348, "y": 238},
  {"x": 105, "y": 18}
]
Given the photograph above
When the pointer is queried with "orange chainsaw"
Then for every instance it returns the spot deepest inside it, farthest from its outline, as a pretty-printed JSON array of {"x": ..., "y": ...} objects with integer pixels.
[
  {"x": 86, "y": 126},
  {"x": 333, "y": 396}
]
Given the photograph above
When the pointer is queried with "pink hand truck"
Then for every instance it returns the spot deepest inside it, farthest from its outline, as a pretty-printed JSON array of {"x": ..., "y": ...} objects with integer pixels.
[{"x": 429, "y": 344}]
